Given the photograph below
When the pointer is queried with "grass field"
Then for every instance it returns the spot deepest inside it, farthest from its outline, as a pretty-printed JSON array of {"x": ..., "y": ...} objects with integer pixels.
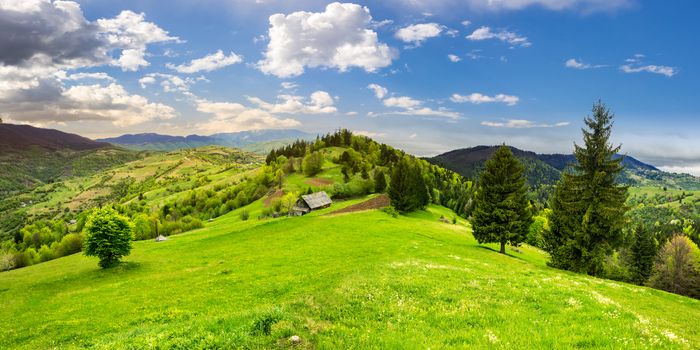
[{"x": 357, "y": 280}]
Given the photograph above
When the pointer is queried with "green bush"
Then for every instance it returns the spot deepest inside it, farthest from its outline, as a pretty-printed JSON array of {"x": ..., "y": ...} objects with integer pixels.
[{"x": 244, "y": 214}]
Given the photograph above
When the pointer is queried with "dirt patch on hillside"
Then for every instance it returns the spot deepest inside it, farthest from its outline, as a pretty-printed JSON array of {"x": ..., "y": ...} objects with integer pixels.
[
  {"x": 319, "y": 182},
  {"x": 380, "y": 201},
  {"x": 273, "y": 196}
]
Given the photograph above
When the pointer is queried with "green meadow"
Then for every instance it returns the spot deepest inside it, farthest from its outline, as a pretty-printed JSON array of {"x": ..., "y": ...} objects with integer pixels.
[{"x": 355, "y": 280}]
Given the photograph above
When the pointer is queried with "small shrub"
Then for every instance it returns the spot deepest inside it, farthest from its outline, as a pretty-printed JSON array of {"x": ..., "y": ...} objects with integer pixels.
[
  {"x": 244, "y": 215},
  {"x": 263, "y": 324},
  {"x": 391, "y": 211}
]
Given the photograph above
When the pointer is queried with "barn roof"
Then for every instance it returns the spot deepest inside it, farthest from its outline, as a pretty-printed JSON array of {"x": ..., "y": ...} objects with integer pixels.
[{"x": 317, "y": 200}]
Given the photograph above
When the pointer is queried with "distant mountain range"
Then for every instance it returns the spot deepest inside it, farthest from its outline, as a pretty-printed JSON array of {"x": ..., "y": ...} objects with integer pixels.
[
  {"x": 545, "y": 169},
  {"x": 21, "y": 137},
  {"x": 257, "y": 140}
]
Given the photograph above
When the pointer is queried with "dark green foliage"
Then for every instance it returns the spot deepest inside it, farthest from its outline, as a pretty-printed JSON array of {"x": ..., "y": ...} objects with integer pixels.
[
  {"x": 588, "y": 205},
  {"x": 108, "y": 236},
  {"x": 408, "y": 191},
  {"x": 313, "y": 163},
  {"x": 379, "y": 181},
  {"x": 501, "y": 213},
  {"x": 642, "y": 254}
]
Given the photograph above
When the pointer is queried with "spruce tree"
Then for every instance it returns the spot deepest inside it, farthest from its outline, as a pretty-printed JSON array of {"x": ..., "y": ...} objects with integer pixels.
[
  {"x": 501, "y": 213},
  {"x": 643, "y": 252},
  {"x": 407, "y": 191},
  {"x": 588, "y": 205}
]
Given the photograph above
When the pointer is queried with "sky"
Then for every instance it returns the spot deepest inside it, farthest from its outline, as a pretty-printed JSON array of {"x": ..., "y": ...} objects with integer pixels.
[{"x": 424, "y": 76}]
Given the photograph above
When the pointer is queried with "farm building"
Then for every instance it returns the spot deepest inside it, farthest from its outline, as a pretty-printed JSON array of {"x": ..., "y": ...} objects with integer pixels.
[{"x": 310, "y": 202}]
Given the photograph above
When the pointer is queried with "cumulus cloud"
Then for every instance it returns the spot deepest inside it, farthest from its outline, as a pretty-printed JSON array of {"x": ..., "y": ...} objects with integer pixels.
[
  {"x": 477, "y": 98},
  {"x": 379, "y": 91},
  {"x": 413, "y": 107},
  {"x": 636, "y": 65},
  {"x": 207, "y": 63},
  {"x": 521, "y": 124},
  {"x": 58, "y": 34},
  {"x": 402, "y": 102},
  {"x": 57, "y": 103},
  {"x": 319, "y": 102},
  {"x": 170, "y": 82},
  {"x": 130, "y": 32},
  {"x": 232, "y": 117},
  {"x": 416, "y": 34},
  {"x": 486, "y": 33},
  {"x": 43, "y": 42},
  {"x": 340, "y": 37},
  {"x": 453, "y": 58}
]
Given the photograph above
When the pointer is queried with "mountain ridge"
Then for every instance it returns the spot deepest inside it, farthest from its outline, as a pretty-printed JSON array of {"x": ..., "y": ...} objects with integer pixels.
[
  {"x": 545, "y": 169},
  {"x": 155, "y": 141}
]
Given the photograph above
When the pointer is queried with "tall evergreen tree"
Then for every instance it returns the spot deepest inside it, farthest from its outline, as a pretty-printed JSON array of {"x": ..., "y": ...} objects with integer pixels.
[
  {"x": 501, "y": 213},
  {"x": 407, "y": 190},
  {"x": 588, "y": 205},
  {"x": 643, "y": 252}
]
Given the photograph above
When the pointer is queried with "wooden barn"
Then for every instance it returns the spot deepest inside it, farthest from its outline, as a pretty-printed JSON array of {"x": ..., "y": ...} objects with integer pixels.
[{"x": 311, "y": 202}]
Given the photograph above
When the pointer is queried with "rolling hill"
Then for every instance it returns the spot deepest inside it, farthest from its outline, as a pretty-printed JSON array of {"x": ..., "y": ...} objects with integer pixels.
[
  {"x": 355, "y": 280},
  {"x": 545, "y": 169},
  {"x": 258, "y": 140},
  {"x": 32, "y": 156},
  {"x": 348, "y": 276}
]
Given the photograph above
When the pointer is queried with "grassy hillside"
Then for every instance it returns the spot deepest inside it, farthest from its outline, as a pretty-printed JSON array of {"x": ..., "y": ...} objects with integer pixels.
[{"x": 357, "y": 280}]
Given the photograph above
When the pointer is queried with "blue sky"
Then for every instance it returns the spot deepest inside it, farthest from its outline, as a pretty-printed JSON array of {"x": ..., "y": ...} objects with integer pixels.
[{"x": 425, "y": 76}]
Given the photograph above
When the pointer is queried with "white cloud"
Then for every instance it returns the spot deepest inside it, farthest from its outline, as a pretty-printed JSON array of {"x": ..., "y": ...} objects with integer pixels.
[
  {"x": 413, "y": 136},
  {"x": 485, "y": 33},
  {"x": 86, "y": 76},
  {"x": 288, "y": 85},
  {"x": 379, "y": 91},
  {"x": 636, "y": 65},
  {"x": 46, "y": 40},
  {"x": 477, "y": 98},
  {"x": 453, "y": 58},
  {"x": 171, "y": 83},
  {"x": 130, "y": 32},
  {"x": 319, "y": 102},
  {"x": 351, "y": 114},
  {"x": 402, "y": 102},
  {"x": 147, "y": 80},
  {"x": 232, "y": 117},
  {"x": 207, "y": 63},
  {"x": 522, "y": 124},
  {"x": 573, "y": 63},
  {"x": 413, "y": 107},
  {"x": 340, "y": 37},
  {"x": 111, "y": 103},
  {"x": 466, "y": 23},
  {"x": 416, "y": 34}
]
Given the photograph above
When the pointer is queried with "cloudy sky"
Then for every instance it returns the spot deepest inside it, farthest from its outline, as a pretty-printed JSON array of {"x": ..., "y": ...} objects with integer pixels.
[{"x": 425, "y": 76}]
